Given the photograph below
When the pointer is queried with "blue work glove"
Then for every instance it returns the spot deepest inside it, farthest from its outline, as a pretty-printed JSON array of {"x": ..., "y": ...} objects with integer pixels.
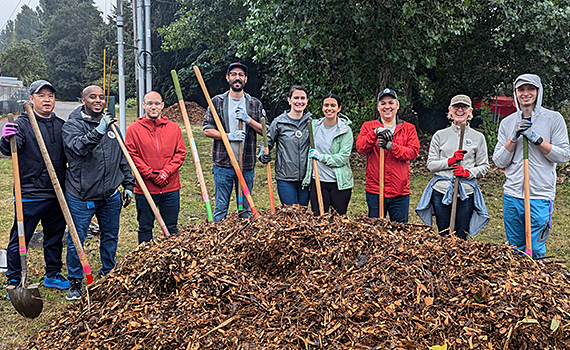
[
  {"x": 106, "y": 120},
  {"x": 127, "y": 197},
  {"x": 241, "y": 114},
  {"x": 263, "y": 157},
  {"x": 238, "y": 136},
  {"x": 520, "y": 127},
  {"x": 531, "y": 135},
  {"x": 313, "y": 153}
]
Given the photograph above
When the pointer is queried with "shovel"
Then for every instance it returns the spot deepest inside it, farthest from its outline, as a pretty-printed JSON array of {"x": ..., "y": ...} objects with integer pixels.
[
  {"x": 316, "y": 169},
  {"x": 527, "y": 217},
  {"x": 27, "y": 301},
  {"x": 456, "y": 185}
]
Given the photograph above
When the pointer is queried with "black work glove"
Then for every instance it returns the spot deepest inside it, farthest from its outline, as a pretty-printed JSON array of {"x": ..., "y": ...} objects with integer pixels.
[{"x": 127, "y": 197}]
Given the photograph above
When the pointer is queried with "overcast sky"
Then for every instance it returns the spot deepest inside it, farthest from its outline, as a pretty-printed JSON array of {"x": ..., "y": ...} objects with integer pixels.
[{"x": 9, "y": 8}]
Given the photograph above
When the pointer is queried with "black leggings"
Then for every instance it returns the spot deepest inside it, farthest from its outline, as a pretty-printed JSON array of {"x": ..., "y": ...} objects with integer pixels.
[{"x": 332, "y": 197}]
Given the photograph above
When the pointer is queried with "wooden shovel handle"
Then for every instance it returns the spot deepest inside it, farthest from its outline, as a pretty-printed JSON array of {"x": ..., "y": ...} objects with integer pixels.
[
  {"x": 527, "y": 217},
  {"x": 381, "y": 162},
  {"x": 456, "y": 185},
  {"x": 226, "y": 142},
  {"x": 140, "y": 181},
  {"x": 268, "y": 166},
  {"x": 316, "y": 169},
  {"x": 17, "y": 192},
  {"x": 59, "y": 193}
]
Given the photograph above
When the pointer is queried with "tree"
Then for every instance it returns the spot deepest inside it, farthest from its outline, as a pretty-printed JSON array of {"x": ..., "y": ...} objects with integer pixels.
[
  {"x": 27, "y": 25},
  {"x": 7, "y": 36},
  {"x": 23, "y": 62},
  {"x": 66, "y": 42}
]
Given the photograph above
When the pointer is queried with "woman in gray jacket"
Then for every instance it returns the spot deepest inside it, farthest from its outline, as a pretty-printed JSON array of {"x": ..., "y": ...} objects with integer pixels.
[
  {"x": 289, "y": 134},
  {"x": 443, "y": 158}
]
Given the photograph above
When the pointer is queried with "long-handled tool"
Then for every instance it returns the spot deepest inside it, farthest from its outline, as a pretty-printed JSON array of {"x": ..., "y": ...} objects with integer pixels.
[
  {"x": 193, "y": 145},
  {"x": 27, "y": 301},
  {"x": 527, "y": 218},
  {"x": 59, "y": 194},
  {"x": 226, "y": 142},
  {"x": 240, "y": 163},
  {"x": 140, "y": 181},
  {"x": 456, "y": 185},
  {"x": 269, "y": 177},
  {"x": 316, "y": 169},
  {"x": 381, "y": 183}
]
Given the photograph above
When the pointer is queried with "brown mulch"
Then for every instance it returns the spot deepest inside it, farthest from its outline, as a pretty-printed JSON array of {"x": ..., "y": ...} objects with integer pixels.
[
  {"x": 195, "y": 113},
  {"x": 296, "y": 281}
]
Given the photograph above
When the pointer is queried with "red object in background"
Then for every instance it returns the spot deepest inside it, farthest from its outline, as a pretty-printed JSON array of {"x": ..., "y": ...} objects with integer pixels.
[{"x": 501, "y": 104}]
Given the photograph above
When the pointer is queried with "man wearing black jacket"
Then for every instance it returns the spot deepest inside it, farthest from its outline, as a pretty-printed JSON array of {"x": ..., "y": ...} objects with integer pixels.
[
  {"x": 96, "y": 168},
  {"x": 38, "y": 195}
]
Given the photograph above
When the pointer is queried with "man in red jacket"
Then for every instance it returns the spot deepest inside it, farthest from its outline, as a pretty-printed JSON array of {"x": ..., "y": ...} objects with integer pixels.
[
  {"x": 400, "y": 142},
  {"x": 157, "y": 148}
]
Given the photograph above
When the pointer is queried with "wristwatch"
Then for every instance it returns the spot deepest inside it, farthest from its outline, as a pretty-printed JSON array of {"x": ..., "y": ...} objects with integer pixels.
[{"x": 539, "y": 141}]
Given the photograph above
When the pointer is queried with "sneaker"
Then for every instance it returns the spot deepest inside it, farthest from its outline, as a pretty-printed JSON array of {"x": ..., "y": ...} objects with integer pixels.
[
  {"x": 56, "y": 281},
  {"x": 74, "y": 292},
  {"x": 11, "y": 282}
]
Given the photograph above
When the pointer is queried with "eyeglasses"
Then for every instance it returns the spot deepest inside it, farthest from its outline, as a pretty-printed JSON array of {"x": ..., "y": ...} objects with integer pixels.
[
  {"x": 456, "y": 107},
  {"x": 150, "y": 103},
  {"x": 240, "y": 74}
]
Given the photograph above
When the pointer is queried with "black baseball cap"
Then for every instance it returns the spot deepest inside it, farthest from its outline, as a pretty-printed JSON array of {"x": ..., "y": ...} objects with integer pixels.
[
  {"x": 38, "y": 85},
  {"x": 238, "y": 65},
  {"x": 387, "y": 91}
]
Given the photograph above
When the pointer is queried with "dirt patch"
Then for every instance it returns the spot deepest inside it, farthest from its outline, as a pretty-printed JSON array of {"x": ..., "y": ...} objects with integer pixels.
[{"x": 195, "y": 113}]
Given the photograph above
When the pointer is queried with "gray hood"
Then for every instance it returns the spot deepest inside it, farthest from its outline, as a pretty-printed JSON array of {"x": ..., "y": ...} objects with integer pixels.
[{"x": 532, "y": 79}]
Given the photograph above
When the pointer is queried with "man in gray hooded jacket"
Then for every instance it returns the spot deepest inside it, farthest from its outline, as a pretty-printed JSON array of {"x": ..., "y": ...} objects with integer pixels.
[{"x": 547, "y": 137}]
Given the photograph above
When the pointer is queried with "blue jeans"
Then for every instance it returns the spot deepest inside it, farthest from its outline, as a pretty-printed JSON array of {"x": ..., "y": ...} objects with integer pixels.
[
  {"x": 168, "y": 205},
  {"x": 396, "y": 207},
  {"x": 49, "y": 213},
  {"x": 224, "y": 181},
  {"x": 291, "y": 192},
  {"x": 108, "y": 215},
  {"x": 463, "y": 214},
  {"x": 541, "y": 218}
]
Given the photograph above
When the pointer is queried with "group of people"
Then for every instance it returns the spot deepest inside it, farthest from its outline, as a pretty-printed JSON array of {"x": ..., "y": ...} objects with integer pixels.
[
  {"x": 91, "y": 167},
  {"x": 395, "y": 142},
  {"x": 89, "y": 162}
]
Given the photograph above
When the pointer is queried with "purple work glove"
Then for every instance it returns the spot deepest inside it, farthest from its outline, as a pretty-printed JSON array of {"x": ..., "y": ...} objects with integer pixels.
[{"x": 9, "y": 129}]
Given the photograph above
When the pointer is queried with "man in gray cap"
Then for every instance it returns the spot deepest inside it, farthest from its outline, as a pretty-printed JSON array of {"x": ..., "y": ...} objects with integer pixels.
[
  {"x": 38, "y": 195},
  {"x": 547, "y": 137}
]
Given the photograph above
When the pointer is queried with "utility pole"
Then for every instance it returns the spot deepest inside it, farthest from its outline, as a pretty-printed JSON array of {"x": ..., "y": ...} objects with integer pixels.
[
  {"x": 121, "y": 64},
  {"x": 148, "y": 47},
  {"x": 140, "y": 56}
]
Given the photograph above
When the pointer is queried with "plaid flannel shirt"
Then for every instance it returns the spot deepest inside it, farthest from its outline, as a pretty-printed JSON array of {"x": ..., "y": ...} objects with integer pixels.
[{"x": 254, "y": 109}]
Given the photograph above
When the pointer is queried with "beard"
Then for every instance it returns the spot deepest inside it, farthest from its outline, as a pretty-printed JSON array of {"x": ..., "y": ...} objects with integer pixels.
[{"x": 237, "y": 88}]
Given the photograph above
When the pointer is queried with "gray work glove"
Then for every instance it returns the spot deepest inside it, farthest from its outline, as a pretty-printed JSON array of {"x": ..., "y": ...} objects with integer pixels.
[
  {"x": 262, "y": 156},
  {"x": 384, "y": 134},
  {"x": 520, "y": 127},
  {"x": 382, "y": 142},
  {"x": 241, "y": 114},
  {"x": 106, "y": 120}
]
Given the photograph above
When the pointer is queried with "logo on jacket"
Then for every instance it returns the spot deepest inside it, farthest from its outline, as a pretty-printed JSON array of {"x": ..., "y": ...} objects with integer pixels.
[
  {"x": 298, "y": 134},
  {"x": 111, "y": 134},
  {"x": 468, "y": 142}
]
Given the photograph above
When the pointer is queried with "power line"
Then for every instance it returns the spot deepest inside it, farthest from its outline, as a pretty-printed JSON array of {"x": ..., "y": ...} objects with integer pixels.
[{"x": 9, "y": 18}]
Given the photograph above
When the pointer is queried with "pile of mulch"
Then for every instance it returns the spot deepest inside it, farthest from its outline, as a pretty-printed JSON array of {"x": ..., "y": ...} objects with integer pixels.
[
  {"x": 296, "y": 281},
  {"x": 195, "y": 113}
]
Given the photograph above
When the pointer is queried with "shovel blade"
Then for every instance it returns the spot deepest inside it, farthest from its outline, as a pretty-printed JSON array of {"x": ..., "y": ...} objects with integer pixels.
[{"x": 27, "y": 301}]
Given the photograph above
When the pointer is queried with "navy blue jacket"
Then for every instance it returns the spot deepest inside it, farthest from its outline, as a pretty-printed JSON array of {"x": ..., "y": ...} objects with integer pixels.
[{"x": 34, "y": 177}]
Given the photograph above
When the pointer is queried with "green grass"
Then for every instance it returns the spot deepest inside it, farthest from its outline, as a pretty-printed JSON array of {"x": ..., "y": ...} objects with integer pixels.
[{"x": 15, "y": 329}]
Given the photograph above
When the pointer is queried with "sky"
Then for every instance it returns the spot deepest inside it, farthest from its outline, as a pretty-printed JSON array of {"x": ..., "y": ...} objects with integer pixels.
[{"x": 9, "y": 9}]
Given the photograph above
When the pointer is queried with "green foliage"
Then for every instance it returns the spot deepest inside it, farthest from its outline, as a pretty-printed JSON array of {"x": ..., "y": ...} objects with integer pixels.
[
  {"x": 27, "y": 25},
  {"x": 7, "y": 36},
  {"x": 131, "y": 102},
  {"x": 23, "y": 62},
  {"x": 489, "y": 127}
]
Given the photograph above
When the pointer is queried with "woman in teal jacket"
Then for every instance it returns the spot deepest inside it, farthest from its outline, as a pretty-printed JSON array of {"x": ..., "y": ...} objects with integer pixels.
[{"x": 333, "y": 145}]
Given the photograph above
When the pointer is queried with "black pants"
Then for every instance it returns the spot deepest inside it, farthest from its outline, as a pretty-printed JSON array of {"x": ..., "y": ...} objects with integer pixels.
[
  {"x": 331, "y": 197},
  {"x": 462, "y": 215},
  {"x": 49, "y": 213}
]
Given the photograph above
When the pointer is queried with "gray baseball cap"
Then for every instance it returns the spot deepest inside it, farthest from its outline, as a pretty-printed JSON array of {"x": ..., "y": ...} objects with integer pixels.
[
  {"x": 387, "y": 91},
  {"x": 38, "y": 85}
]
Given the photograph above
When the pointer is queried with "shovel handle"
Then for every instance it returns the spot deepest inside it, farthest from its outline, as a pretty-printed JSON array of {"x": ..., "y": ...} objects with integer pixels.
[
  {"x": 59, "y": 193},
  {"x": 268, "y": 166},
  {"x": 195, "y": 155},
  {"x": 17, "y": 192},
  {"x": 456, "y": 185},
  {"x": 226, "y": 142},
  {"x": 316, "y": 168},
  {"x": 527, "y": 217},
  {"x": 140, "y": 181}
]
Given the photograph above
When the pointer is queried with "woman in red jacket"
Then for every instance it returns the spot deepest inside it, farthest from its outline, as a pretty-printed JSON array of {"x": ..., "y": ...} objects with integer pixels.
[{"x": 400, "y": 142}]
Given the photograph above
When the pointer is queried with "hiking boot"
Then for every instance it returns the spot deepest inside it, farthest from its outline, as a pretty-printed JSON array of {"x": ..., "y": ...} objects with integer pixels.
[
  {"x": 74, "y": 292},
  {"x": 56, "y": 281},
  {"x": 11, "y": 282}
]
